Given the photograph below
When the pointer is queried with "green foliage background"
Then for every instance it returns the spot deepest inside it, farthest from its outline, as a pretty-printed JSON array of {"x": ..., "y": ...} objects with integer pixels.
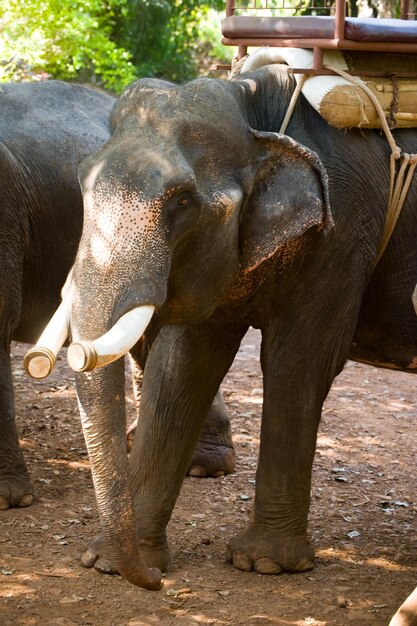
[
  {"x": 113, "y": 42},
  {"x": 107, "y": 42}
]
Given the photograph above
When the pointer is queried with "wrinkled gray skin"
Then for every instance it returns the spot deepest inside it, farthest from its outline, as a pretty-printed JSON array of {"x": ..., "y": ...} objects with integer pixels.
[
  {"x": 198, "y": 207},
  {"x": 214, "y": 454},
  {"x": 46, "y": 129}
]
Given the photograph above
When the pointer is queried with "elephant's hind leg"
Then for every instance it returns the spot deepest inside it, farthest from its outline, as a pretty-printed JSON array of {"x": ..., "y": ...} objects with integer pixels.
[
  {"x": 214, "y": 454},
  {"x": 15, "y": 486}
]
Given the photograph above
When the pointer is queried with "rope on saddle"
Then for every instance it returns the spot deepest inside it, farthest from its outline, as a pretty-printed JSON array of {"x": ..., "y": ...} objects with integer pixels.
[
  {"x": 392, "y": 122},
  {"x": 399, "y": 181},
  {"x": 292, "y": 103}
]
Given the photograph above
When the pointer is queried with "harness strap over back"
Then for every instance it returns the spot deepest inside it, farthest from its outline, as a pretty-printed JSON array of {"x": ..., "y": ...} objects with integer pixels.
[{"x": 399, "y": 181}]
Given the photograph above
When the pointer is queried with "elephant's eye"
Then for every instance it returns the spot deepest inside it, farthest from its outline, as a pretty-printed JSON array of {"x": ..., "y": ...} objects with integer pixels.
[
  {"x": 185, "y": 200},
  {"x": 182, "y": 211}
]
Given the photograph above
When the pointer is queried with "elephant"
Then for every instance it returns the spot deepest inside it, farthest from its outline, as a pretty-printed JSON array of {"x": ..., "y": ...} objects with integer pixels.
[
  {"x": 200, "y": 221},
  {"x": 46, "y": 129}
]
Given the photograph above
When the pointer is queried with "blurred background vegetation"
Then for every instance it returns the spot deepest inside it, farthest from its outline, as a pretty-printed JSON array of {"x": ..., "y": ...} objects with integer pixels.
[{"x": 110, "y": 43}]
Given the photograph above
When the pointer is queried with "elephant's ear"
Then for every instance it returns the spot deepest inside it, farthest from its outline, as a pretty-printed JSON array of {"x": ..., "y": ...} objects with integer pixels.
[{"x": 289, "y": 196}]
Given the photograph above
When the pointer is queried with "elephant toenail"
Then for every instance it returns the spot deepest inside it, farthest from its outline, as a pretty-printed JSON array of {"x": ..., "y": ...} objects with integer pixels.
[
  {"x": 26, "y": 500},
  {"x": 242, "y": 561},
  {"x": 304, "y": 566},
  {"x": 198, "y": 471},
  {"x": 88, "y": 558},
  {"x": 4, "y": 503},
  {"x": 104, "y": 566},
  {"x": 264, "y": 565}
]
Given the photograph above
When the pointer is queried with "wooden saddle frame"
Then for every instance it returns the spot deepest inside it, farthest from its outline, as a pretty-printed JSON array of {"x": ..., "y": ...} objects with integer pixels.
[{"x": 321, "y": 33}]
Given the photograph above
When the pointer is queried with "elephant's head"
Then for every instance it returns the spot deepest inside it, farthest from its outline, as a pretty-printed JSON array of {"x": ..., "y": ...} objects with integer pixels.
[{"x": 183, "y": 199}]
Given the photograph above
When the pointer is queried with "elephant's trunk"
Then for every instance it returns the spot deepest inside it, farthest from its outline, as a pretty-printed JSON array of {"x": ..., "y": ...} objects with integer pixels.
[
  {"x": 84, "y": 356},
  {"x": 102, "y": 408}
]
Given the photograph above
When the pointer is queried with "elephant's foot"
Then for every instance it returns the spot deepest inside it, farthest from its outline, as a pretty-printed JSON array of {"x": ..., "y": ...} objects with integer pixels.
[
  {"x": 259, "y": 550},
  {"x": 15, "y": 488},
  {"x": 154, "y": 554},
  {"x": 213, "y": 456}
]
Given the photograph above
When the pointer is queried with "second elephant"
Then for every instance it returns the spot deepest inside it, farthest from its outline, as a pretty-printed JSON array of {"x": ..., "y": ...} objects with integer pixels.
[{"x": 46, "y": 129}]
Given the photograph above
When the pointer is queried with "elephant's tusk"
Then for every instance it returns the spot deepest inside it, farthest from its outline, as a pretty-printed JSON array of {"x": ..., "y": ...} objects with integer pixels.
[
  {"x": 40, "y": 360},
  {"x": 84, "y": 356}
]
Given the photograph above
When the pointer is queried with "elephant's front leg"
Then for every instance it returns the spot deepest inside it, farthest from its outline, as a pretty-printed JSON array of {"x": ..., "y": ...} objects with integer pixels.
[
  {"x": 183, "y": 372},
  {"x": 296, "y": 381},
  {"x": 214, "y": 454}
]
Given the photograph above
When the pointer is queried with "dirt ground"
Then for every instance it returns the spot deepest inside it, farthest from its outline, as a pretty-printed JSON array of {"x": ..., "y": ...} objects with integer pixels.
[{"x": 362, "y": 517}]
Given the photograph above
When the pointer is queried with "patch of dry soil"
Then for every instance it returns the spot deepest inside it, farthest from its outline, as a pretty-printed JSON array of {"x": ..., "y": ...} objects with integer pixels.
[{"x": 362, "y": 518}]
